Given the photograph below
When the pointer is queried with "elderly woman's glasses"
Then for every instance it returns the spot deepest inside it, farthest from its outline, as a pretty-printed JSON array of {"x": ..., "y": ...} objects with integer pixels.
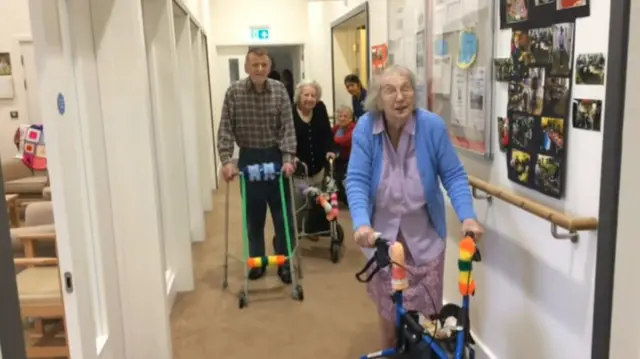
[{"x": 392, "y": 91}]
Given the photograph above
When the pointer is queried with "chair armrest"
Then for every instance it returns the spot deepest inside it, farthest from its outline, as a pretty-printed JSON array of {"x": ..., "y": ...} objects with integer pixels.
[
  {"x": 26, "y": 262},
  {"x": 13, "y": 169},
  {"x": 28, "y": 241},
  {"x": 45, "y": 237}
]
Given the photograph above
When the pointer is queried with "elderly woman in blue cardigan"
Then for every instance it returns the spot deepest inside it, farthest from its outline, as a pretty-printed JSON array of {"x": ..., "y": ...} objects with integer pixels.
[{"x": 400, "y": 155}]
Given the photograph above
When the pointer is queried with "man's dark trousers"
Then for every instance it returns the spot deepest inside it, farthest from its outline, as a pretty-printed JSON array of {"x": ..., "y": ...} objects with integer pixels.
[{"x": 263, "y": 193}]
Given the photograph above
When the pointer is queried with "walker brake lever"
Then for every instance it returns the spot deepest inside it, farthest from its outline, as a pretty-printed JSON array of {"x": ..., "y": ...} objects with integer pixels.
[{"x": 380, "y": 258}]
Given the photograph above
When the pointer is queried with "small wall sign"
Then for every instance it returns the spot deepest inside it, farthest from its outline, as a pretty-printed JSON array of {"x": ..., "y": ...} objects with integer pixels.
[{"x": 62, "y": 106}]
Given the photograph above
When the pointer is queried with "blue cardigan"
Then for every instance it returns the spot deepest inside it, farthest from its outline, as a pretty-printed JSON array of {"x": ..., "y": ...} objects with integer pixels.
[{"x": 437, "y": 162}]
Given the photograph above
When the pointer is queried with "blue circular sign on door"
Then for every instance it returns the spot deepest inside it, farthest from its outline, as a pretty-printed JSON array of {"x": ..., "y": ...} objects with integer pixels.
[{"x": 62, "y": 106}]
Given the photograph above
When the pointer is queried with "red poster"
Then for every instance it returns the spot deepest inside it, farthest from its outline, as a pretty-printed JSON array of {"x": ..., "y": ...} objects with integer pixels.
[{"x": 378, "y": 58}]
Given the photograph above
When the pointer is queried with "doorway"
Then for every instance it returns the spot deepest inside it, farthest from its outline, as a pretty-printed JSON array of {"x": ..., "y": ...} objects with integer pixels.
[
  {"x": 287, "y": 57},
  {"x": 230, "y": 68},
  {"x": 28, "y": 62},
  {"x": 350, "y": 51}
]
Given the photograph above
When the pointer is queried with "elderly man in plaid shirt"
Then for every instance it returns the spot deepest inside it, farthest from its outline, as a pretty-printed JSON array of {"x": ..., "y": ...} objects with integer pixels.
[{"x": 257, "y": 115}]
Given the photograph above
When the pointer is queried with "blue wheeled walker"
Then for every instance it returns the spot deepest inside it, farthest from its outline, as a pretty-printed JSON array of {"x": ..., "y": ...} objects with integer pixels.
[
  {"x": 450, "y": 337},
  {"x": 255, "y": 173}
]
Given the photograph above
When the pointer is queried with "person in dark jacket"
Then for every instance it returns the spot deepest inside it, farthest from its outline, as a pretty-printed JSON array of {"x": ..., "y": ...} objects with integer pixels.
[
  {"x": 315, "y": 144},
  {"x": 274, "y": 75},
  {"x": 358, "y": 94},
  {"x": 287, "y": 80}
]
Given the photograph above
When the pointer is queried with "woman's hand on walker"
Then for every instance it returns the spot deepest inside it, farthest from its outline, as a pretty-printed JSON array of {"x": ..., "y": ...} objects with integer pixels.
[
  {"x": 471, "y": 225},
  {"x": 365, "y": 236}
]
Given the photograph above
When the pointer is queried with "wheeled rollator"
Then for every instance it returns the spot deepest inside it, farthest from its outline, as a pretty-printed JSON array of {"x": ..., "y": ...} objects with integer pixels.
[
  {"x": 327, "y": 199},
  {"x": 444, "y": 336},
  {"x": 254, "y": 173}
]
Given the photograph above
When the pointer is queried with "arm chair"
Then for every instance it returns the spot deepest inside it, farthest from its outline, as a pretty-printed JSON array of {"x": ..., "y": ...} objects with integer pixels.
[
  {"x": 21, "y": 180},
  {"x": 38, "y": 232},
  {"x": 40, "y": 296}
]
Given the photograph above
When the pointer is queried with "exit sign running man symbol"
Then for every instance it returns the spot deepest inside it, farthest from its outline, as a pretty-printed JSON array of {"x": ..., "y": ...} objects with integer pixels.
[{"x": 260, "y": 33}]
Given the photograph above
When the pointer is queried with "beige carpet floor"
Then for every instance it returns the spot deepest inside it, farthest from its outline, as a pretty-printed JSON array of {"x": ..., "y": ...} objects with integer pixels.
[{"x": 336, "y": 319}]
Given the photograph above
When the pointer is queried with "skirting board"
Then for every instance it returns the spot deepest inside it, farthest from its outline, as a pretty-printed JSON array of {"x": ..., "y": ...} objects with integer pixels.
[
  {"x": 482, "y": 350},
  {"x": 170, "y": 277}
]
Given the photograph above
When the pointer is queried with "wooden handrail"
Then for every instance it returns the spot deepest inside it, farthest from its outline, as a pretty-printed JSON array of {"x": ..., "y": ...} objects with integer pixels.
[{"x": 556, "y": 218}]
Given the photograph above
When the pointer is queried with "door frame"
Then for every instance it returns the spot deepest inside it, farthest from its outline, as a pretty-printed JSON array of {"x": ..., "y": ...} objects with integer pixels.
[
  {"x": 614, "y": 111},
  {"x": 360, "y": 9},
  {"x": 213, "y": 130},
  {"x": 11, "y": 335}
]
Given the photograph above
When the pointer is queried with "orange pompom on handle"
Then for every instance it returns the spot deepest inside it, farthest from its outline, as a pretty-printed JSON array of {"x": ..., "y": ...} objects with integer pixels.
[
  {"x": 468, "y": 254},
  {"x": 399, "y": 280}
]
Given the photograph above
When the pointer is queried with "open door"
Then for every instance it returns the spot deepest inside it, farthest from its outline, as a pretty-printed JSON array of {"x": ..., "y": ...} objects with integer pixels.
[
  {"x": 350, "y": 51},
  {"x": 230, "y": 69},
  {"x": 76, "y": 154}
]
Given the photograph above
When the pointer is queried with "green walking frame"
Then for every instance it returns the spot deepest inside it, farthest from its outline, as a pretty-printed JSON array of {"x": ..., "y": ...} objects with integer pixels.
[{"x": 254, "y": 173}]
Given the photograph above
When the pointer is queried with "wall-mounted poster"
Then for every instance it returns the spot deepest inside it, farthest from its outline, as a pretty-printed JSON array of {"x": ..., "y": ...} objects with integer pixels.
[
  {"x": 378, "y": 58},
  {"x": 460, "y": 70},
  {"x": 528, "y": 14},
  {"x": 6, "y": 76}
]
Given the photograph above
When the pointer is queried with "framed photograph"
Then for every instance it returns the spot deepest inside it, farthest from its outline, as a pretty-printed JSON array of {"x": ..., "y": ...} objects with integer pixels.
[
  {"x": 556, "y": 96},
  {"x": 520, "y": 166},
  {"x": 562, "y": 49},
  {"x": 552, "y": 140},
  {"x": 547, "y": 175},
  {"x": 570, "y": 4},
  {"x": 590, "y": 69},
  {"x": 587, "y": 114},
  {"x": 516, "y": 11},
  {"x": 532, "y": 14},
  {"x": 5, "y": 64},
  {"x": 541, "y": 45}
]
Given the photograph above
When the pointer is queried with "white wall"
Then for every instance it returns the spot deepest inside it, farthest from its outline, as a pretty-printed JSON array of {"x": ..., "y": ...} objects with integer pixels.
[
  {"x": 318, "y": 49},
  {"x": 534, "y": 297},
  {"x": 11, "y": 28},
  {"x": 625, "y": 318},
  {"x": 286, "y": 19}
]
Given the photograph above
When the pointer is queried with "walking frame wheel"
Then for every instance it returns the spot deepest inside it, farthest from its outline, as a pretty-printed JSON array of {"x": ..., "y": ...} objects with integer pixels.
[
  {"x": 243, "y": 301},
  {"x": 298, "y": 293},
  {"x": 339, "y": 233},
  {"x": 335, "y": 252}
]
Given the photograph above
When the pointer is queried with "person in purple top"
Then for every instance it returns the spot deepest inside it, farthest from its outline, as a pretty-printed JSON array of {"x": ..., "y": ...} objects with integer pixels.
[{"x": 400, "y": 155}]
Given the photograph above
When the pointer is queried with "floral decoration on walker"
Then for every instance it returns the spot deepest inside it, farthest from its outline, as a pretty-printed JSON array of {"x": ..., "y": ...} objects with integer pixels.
[{"x": 327, "y": 200}]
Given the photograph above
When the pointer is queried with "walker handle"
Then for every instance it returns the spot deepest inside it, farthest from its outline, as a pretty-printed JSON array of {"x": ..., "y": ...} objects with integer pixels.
[
  {"x": 380, "y": 258},
  {"x": 477, "y": 257}
]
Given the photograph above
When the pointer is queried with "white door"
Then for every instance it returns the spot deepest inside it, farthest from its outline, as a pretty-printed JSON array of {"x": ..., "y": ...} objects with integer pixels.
[
  {"x": 229, "y": 70},
  {"x": 76, "y": 155},
  {"x": 28, "y": 60}
]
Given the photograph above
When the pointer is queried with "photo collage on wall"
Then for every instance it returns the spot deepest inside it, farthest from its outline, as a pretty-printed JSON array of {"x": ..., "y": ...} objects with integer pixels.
[
  {"x": 534, "y": 132},
  {"x": 530, "y": 14}
]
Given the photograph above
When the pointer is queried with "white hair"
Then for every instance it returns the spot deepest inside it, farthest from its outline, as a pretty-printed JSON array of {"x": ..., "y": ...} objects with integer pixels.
[
  {"x": 344, "y": 108},
  {"x": 302, "y": 85},
  {"x": 372, "y": 102}
]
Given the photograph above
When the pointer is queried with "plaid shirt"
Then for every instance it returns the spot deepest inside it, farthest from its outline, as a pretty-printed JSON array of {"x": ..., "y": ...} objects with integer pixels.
[{"x": 255, "y": 119}]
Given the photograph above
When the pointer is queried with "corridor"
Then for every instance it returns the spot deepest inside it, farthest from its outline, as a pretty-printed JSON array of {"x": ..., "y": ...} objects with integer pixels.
[{"x": 207, "y": 323}]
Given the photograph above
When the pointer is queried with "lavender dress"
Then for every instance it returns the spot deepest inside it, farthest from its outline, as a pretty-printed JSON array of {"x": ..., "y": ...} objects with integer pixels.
[{"x": 401, "y": 214}]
